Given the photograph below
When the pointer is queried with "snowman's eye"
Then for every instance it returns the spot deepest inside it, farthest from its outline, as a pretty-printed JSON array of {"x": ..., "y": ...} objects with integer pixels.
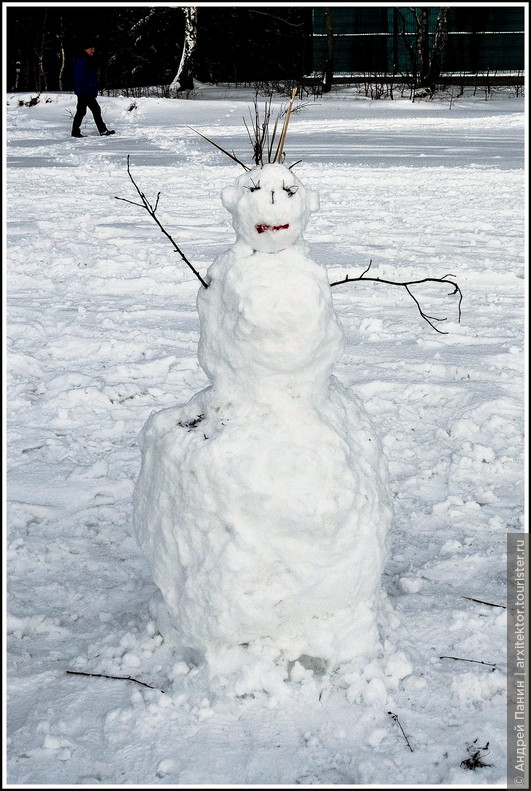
[
  {"x": 290, "y": 190},
  {"x": 254, "y": 187}
]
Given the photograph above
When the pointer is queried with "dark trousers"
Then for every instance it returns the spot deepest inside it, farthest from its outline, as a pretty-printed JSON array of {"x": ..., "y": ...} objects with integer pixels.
[{"x": 83, "y": 102}]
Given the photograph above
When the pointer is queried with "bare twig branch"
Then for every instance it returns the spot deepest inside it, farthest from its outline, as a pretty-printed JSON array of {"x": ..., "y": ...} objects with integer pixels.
[
  {"x": 132, "y": 202},
  {"x": 272, "y": 140},
  {"x": 262, "y": 139},
  {"x": 152, "y": 211},
  {"x": 276, "y": 18},
  {"x": 232, "y": 156},
  {"x": 365, "y": 270},
  {"x": 253, "y": 142},
  {"x": 395, "y": 718},
  {"x": 406, "y": 285},
  {"x": 475, "y": 661},
  {"x": 259, "y": 142},
  {"x": 475, "y": 760},
  {"x": 479, "y": 601},
  {"x": 104, "y": 675}
]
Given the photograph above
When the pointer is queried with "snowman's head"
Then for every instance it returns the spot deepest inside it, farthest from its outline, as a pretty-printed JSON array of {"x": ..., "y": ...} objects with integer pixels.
[{"x": 270, "y": 207}]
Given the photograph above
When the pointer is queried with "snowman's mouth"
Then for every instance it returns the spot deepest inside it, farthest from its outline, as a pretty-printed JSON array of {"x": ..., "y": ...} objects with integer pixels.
[{"x": 261, "y": 228}]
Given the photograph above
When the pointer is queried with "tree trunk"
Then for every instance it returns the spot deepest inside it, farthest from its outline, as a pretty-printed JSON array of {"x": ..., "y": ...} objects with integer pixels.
[
  {"x": 184, "y": 79},
  {"x": 329, "y": 63},
  {"x": 439, "y": 43},
  {"x": 61, "y": 44},
  {"x": 42, "y": 82},
  {"x": 423, "y": 45},
  {"x": 430, "y": 58},
  {"x": 62, "y": 66}
]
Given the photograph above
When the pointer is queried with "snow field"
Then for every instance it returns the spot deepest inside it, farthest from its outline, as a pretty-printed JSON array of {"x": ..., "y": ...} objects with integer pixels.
[{"x": 102, "y": 330}]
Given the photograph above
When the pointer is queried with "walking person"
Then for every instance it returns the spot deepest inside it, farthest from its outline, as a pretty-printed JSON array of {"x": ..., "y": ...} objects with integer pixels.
[{"x": 86, "y": 89}]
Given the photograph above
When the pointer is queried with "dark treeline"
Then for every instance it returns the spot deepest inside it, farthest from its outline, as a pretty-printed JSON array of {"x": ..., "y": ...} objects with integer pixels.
[{"x": 139, "y": 46}]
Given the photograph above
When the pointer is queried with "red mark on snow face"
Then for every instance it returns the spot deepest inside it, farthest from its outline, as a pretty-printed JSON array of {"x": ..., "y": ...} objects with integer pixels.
[{"x": 262, "y": 228}]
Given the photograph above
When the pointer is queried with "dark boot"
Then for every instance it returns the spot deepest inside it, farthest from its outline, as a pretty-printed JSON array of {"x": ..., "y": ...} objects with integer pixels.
[
  {"x": 107, "y": 132},
  {"x": 77, "y": 134}
]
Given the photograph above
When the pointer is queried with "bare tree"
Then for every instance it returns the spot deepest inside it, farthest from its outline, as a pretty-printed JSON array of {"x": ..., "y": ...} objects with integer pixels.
[
  {"x": 41, "y": 77},
  {"x": 62, "y": 57},
  {"x": 184, "y": 79},
  {"x": 429, "y": 58},
  {"x": 425, "y": 58},
  {"x": 329, "y": 61},
  {"x": 433, "y": 72}
]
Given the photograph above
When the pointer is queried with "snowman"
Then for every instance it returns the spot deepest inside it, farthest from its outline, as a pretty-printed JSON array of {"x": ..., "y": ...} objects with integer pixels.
[{"x": 262, "y": 505}]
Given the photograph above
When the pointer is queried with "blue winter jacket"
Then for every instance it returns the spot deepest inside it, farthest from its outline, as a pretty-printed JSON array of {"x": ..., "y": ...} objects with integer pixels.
[{"x": 85, "y": 77}]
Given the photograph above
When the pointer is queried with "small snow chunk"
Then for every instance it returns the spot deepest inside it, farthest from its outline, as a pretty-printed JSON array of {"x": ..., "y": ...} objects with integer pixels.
[
  {"x": 483, "y": 453},
  {"x": 440, "y": 509},
  {"x": 311, "y": 740},
  {"x": 415, "y": 683},
  {"x": 409, "y": 584},
  {"x": 131, "y": 659},
  {"x": 398, "y": 667},
  {"x": 100, "y": 469},
  {"x": 375, "y": 693},
  {"x": 55, "y": 743},
  {"x": 376, "y": 737},
  {"x": 166, "y": 767},
  {"x": 205, "y": 712},
  {"x": 180, "y": 669},
  {"x": 299, "y": 673},
  {"x": 356, "y": 686},
  {"x": 450, "y": 546},
  {"x": 128, "y": 640},
  {"x": 471, "y": 688}
]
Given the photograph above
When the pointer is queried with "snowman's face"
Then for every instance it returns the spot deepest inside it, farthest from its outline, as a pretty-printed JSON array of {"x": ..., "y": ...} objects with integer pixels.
[{"x": 270, "y": 207}]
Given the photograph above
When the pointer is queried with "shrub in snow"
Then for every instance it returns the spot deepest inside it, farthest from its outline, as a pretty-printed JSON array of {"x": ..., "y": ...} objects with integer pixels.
[{"x": 262, "y": 504}]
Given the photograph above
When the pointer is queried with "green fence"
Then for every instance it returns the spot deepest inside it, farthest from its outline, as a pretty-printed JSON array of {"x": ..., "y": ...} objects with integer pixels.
[{"x": 382, "y": 40}]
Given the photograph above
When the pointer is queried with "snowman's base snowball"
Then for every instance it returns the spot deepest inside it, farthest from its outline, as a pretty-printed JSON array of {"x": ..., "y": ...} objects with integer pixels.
[
  {"x": 266, "y": 528},
  {"x": 260, "y": 668}
]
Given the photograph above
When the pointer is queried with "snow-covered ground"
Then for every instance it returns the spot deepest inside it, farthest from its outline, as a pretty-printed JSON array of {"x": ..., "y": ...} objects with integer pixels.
[{"x": 102, "y": 329}]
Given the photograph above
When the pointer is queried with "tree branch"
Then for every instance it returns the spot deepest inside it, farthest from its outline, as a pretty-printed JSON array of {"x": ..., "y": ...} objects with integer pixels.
[
  {"x": 152, "y": 211},
  {"x": 474, "y": 661},
  {"x": 232, "y": 156},
  {"x": 479, "y": 601},
  {"x": 395, "y": 718},
  {"x": 276, "y": 18},
  {"x": 119, "y": 678},
  {"x": 406, "y": 285}
]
